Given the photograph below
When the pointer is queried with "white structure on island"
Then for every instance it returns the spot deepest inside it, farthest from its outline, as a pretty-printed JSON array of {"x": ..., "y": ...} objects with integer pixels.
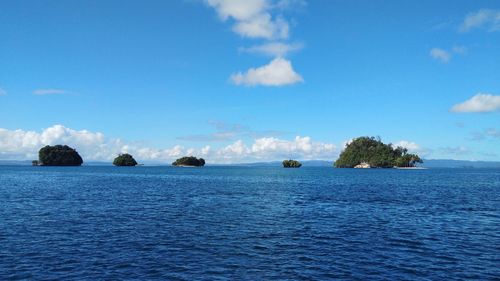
[{"x": 363, "y": 165}]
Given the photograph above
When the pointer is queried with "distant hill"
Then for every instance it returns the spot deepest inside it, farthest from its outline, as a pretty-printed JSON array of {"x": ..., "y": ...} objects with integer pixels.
[
  {"x": 449, "y": 163},
  {"x": 429, "y": 163}
]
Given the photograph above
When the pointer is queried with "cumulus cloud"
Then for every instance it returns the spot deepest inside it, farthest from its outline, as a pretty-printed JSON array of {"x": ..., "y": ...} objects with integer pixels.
[
  {"x": 278, "y": 72},
  {"x": 252, "y": 18},
  {"x": 266, "y": 149},
  {"x": 300, "y": 147},
  {"x": 94, "y": 146},
  {"x": 20, "y": 144},
  {"x": 411, "y": 146},
  {"x": 42, "y": 92},
  {"x": 256, "y": 19},
  {"x": 479, "y": 103},
  {"x": 485, "y": 18}
]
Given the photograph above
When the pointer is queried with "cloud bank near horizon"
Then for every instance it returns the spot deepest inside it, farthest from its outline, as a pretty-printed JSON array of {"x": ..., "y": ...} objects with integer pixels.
[{"x": 95, "y": 146}]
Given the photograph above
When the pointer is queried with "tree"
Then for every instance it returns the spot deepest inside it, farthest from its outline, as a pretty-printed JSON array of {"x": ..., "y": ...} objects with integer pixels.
[
  {"x": 408, "y": 160},
  {"x": 59, "y": 155},
  {"x": 124, "y": 160},
  {"x": 189, "y": 161},
  {"x": 377, "y": 154},
  {"x": 291, "y": 164}
]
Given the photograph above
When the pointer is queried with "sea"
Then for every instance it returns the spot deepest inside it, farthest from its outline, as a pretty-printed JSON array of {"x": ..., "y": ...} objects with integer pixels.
[{"x": 248, "y": 223}]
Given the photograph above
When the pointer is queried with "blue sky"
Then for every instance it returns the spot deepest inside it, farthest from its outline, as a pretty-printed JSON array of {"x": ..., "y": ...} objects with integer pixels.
[{"x": 249, "y": 80}]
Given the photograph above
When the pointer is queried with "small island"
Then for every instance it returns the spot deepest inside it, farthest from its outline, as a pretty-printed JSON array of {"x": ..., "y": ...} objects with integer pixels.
[
  {"x": 189, "y": 161},
  {"x": 58, "y": 155},
  {"x": 371, "y": 152},
  {"x": 291, "y": 164},
  {"x": 124, "y": 160}
]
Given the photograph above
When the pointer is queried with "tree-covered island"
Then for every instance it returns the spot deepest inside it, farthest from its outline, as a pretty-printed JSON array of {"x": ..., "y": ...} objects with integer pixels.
[
  {"x": 59, "y": 155},
  {"x": 124, "y": 160},
  {"x": 189, "y": 161},
  {"x": 291, "y": 164},
  {"x": 371, "y": 152}
]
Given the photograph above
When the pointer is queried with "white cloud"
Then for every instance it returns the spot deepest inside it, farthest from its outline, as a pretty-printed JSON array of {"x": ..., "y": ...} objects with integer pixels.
[
  {"x": 20, "y": 144},
  {"x": 238, "y": 9},
  {"x": 445, "y": 56},
  {"x": 263, "y": 26},
  {"x": 440, "y": 54},
  {"x": 278, "y": 72},
  {"x": 274, "y": 49},
  {"x": 206, "y": 150},
  {"x": 3, "y": 92},
  {"x": 479, "y": 103},
  {"x": 487, "y": 18},
  {"x": 41, "y": 92},
  {"x": 233, "y": 151},
  {"x": 94, "y": 146},
  {"x": 252, "y": 18},
  {"x": 411, "y": 146},
  {"x": 267, "y": 149},
  {"x": 300, "y": 147},
  {"x": 257, "y": 19}
]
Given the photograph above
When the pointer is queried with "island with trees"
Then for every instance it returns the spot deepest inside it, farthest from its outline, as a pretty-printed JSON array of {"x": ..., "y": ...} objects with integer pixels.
[
  {"x": 291, "y": 164},
  {"x": 124, "y": 160},
  {"x": 58, "y": 155},
  {"x": 189, "y": 161},
  {"x": 371, "y": 152}
]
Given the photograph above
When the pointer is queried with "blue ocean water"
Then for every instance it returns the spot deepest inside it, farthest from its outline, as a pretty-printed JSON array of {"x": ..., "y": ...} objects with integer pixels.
[{"x": 248, "y": 223}]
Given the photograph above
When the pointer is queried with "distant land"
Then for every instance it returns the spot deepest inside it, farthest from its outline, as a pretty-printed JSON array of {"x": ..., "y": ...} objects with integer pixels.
[
  {"x": 449, "y": 163},
  {"x": 429, "y": 163}
]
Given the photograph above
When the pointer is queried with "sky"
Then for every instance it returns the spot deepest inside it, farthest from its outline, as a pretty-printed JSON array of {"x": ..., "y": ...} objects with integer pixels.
[{"x": 237, "y": 81}]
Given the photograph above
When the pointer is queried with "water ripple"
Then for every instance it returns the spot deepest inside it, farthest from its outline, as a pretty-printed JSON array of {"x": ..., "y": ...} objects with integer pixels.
[{"x": 227, "y": 223}]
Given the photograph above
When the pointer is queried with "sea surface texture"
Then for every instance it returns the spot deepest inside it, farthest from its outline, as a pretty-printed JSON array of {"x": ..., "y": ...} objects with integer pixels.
[{"x": 248, "y": 223}]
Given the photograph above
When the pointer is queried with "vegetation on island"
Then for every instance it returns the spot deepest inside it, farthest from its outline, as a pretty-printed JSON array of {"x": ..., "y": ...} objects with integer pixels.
[
  {"x": 124, "y": 160},
  {"x": 375, "y": 153},
  {"x": 291, "y": 164},
  {"x": 189, "y": 161},
  {"x": 59, "y": 155}
]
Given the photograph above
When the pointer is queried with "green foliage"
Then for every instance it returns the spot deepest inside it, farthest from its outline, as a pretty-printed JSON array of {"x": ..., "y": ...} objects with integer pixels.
[
  {"x": 376, "y": 153},
  {"x": 124, "y": 160},
  {"x": 59, "y": 155},
  {"x": 408, "y": 160},
  {"x": 291, "y": 164},
  {"x": 189, "y": 161}
]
